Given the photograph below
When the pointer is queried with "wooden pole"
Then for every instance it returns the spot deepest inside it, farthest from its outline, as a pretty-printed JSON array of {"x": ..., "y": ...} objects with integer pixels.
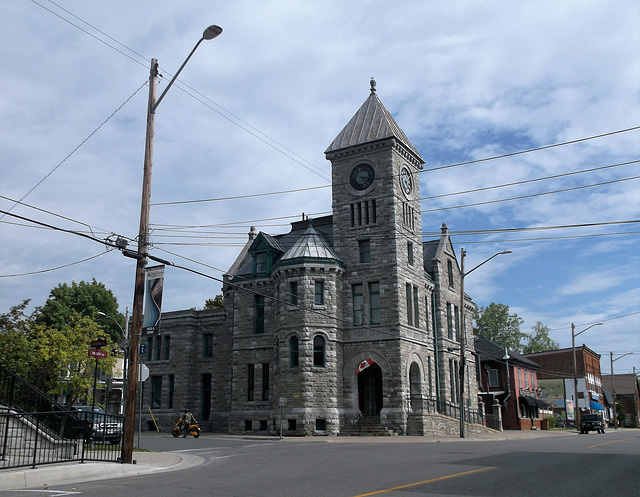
[{"x": 138, "y": 295}]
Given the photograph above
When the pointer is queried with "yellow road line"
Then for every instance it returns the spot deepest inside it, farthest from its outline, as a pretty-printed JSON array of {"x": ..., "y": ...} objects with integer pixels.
[
  {"x": 612, "y": 442},
  {"x": 423, "y": 482}
]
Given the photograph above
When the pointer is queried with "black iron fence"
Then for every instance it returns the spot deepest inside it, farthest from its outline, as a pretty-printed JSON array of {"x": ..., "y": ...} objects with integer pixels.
[
  {"x": 36, "y": 430},
  {"x": 422, "y": 404}
]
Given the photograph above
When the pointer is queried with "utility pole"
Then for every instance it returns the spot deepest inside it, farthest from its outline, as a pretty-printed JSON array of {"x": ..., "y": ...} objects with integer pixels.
[
  {"x": 143, "y": 249},
  {"x": 141, "y": 262},
  {"x": 462, "y": 339}
]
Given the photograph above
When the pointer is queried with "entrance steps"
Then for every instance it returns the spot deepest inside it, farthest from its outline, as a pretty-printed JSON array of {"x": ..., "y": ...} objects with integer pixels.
[{"x": 367, "y": 426}]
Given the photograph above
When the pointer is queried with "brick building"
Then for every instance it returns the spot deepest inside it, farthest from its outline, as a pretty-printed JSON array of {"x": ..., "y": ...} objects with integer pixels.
[
  {"x": 556, "y": 364},
  {"x": 509, "y": 388},
  {"x": 343, "y": 319}
]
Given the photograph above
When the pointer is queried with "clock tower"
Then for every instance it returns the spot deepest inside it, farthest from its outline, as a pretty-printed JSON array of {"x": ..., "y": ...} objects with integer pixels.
[{"x": 377, "y": 233}]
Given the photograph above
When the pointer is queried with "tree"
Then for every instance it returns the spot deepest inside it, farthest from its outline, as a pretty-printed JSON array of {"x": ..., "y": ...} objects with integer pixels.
[
  {"x": 215, "y": 303},
  {"x": 54, "y": 359},
  {"x": 15, "y": 346},
  {"x": 66, "y": 303},
  {"x": 61, "y": 362},
  {"x": 539, "y": 340},
  {"x": 496, "y": 324}
]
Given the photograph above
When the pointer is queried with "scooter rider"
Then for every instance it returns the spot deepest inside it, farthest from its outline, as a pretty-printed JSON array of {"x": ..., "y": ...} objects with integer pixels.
[{"x": 187, "y": 420}]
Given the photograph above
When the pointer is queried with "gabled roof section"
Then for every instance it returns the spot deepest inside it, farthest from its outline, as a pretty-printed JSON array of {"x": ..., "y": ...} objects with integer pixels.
[
  {"x": 491, "y": 351},
  {"x": 436, "y": 249},
  {"x": 371, "y": 123},
  {"x": 312, "y": 246},
  {"x": 235, "y": 267},
  {"x": 264, "y": 242}
]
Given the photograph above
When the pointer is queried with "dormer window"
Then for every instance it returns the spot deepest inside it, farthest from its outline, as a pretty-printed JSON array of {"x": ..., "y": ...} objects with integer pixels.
[{"x": 261, "y": 263}]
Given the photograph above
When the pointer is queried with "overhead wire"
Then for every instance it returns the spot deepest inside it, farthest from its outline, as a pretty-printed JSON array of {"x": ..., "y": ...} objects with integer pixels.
[
  {"x": 270, "y": 141},
  {"x": 201, "y": 96},
  {"x": 533, "y": 195},
  {"x": 77, "y": 147}
]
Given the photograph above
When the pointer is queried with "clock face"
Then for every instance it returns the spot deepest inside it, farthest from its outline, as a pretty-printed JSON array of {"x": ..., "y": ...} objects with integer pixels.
[
  {"x": 406, "y": 182},
  {"x": 362, "y": 177}
]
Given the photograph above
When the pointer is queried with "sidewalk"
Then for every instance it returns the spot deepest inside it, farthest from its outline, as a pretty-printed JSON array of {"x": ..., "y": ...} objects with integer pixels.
[{"x": 69, "y": 473}]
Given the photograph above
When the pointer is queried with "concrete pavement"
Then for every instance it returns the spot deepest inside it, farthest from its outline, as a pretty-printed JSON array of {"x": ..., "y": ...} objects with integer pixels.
[{"x": 152, "y": 462}]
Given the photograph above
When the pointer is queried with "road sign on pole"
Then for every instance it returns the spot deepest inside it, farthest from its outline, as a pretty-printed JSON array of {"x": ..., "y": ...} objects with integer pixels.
[{"x": 98, "y": 354}]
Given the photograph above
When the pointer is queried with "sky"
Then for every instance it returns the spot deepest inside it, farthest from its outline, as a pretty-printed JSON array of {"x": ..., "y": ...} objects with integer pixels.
[{"x": 483, "y": 89}]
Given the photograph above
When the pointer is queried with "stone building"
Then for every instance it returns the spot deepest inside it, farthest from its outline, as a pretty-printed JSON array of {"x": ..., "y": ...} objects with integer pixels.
[{"x": 346, "y": 321}]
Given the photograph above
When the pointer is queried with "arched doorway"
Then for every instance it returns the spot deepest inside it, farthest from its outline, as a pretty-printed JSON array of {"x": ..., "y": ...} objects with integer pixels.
[
  {"x": 415, "y": 387},
  {"x": 370, "y": 390}
]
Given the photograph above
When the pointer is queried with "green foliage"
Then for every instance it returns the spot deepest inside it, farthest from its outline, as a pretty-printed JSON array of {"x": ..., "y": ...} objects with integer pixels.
[
  {"x": 67, "y": 303},
  {"x": 539, "y": 340},
  {"x": 15, "y": 346},
  {"x": 215, "y": 303},
  {"x": 49, "y": 348},
  {"x": 496, "y": 324}
]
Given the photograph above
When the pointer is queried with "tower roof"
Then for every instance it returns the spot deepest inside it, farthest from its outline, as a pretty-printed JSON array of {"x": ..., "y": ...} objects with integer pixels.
[
  {"x": 372, "y": 122},
  {"x": 311, "y": 245}
]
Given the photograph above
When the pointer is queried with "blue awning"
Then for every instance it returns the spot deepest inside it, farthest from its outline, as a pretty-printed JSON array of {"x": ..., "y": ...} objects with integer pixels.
[{"x": 595, "y": 406}]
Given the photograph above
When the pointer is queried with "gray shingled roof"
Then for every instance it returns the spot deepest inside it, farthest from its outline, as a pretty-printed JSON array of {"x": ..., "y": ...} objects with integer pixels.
[
  {"x": 310, "y": 245},
  {"x": 372, "y": 122}
]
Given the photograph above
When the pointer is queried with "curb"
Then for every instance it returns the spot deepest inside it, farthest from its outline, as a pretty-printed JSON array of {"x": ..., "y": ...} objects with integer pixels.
[{"x": 69, "y": 473}]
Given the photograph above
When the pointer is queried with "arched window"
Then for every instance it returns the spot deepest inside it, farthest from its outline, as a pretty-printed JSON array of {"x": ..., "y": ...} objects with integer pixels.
[
  {"x": 318, "y": 352},
  {"x": 293, "y": 352}
]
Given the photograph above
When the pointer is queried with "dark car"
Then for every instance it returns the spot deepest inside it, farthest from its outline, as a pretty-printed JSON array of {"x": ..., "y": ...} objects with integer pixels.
[
  {"x": 104, "y": 427},
  {"x": 591, "y": 422}
]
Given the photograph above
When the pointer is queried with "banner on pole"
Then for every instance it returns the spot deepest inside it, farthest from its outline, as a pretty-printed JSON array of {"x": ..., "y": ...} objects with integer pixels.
[{"x": 153, "y": 300}]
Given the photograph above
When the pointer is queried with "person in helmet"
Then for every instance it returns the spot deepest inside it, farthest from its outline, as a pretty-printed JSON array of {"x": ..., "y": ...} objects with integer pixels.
[{"x": 187, "y": 420}]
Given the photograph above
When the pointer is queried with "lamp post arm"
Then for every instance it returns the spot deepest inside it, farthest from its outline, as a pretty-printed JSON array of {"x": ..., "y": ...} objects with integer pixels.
[
  {"x": 155, "y": 105},
  {"x": 483, "y": 263}
]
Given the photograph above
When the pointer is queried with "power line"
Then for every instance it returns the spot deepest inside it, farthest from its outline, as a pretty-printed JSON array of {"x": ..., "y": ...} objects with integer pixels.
[
  {"x": 88, "y": 33},
  {"x": 533, "y": 195},
  {"x": 530, "y": 150},
  {"x": 524, "y": 182},
  {"x": 536, "y": 228},
  {"x": 77, "y": 148},
  {"x": 54, "y": 268}
]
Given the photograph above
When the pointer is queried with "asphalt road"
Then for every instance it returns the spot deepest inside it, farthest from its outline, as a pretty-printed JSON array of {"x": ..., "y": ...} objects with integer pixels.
[{"x": 539, "y": 465}]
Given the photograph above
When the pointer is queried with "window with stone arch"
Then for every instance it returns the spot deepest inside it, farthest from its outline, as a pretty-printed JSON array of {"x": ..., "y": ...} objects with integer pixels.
[
  {"x": 318, "y": 352},
  {"x": 294, "y": 355}
]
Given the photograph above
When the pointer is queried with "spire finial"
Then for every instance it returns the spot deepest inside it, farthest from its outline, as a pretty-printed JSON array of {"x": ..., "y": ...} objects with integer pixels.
[{"x": 373, "y": 85}]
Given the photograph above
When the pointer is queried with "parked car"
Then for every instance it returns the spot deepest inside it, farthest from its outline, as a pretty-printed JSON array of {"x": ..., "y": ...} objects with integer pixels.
[
  {"x": 559, "y": 421},
  {"x": 591, "y": 422},
  {"x": 104, "y": 427}
]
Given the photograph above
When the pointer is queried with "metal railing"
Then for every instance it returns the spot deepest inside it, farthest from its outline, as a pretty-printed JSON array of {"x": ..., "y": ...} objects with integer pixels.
[
  {"x": 36, "y": 430},
  {"x": 38, "y": 438},
  {"x": 423, "y": 404}
]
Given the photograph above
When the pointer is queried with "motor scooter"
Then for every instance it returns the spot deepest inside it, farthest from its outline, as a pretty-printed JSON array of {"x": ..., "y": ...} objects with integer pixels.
[{"x": 193, "y": 430}]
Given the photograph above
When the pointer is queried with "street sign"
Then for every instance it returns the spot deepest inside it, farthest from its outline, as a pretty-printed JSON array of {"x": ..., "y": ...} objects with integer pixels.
[
  {"x": 143, "y": 348},
  {"x": 98, "y": 354},
  {"x": 144, "y": 372},
  {"x": 100, "y": 342},
  {"x": 283, "y": 401}
]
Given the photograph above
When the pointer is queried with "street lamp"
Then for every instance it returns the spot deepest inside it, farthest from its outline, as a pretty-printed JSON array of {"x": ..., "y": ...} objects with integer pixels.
[
  {"x": 576, "y": 415},
  {"x": 143, "y": 241},
  {"x": 126, "y": 345},
  {"x": 462, "y": 337},
  {"x": 613, "y": 387}
]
